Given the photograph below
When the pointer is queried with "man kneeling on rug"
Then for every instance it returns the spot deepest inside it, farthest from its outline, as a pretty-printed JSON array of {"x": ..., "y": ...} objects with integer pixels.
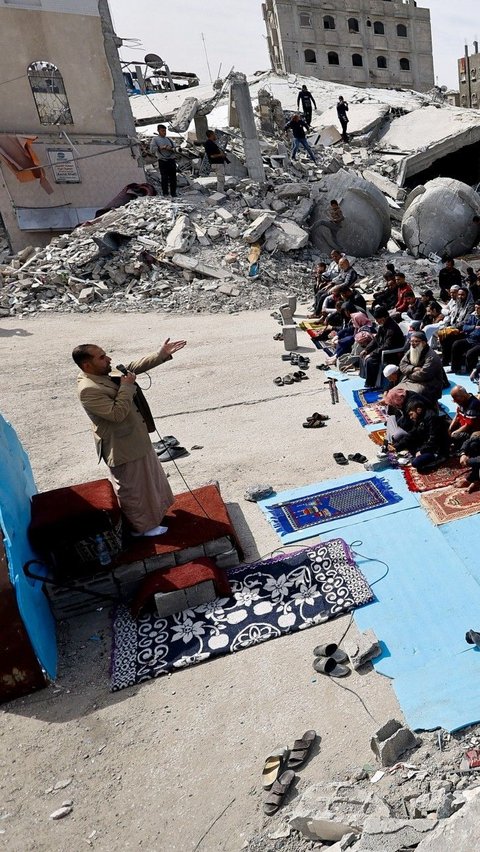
[
  {"x": 426, "y": 437},
  {"x": 470, "y": 457},
  {"x": 121, "y": 422}
]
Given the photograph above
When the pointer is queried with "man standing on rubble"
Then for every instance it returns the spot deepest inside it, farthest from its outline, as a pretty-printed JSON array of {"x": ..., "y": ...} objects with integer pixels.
[
  {"x": 307, "y": 100},
  {"x": 298, "y": 126},
  {"x": 217, "y": 159},
  {"x": 342, "y": 109},
  {"x": 122, "y": 421},
  {"x": 163, "y": 148}
]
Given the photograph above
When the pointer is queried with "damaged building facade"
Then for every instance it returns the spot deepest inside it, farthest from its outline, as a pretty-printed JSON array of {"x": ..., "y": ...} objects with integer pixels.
[
  {"x": 361, "y": 43},
  {"x": 469, "y": 78},
  {"x": 67, "y": 135}
]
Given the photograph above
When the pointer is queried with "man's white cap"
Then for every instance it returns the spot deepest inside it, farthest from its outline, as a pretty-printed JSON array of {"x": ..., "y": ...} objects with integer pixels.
[{"x": 389, "y": 370}]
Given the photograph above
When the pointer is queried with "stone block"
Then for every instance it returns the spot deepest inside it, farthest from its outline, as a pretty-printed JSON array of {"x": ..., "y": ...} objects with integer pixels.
[
  {"x": 228, "y": 559},
  {"x": 224, "y": 215},
  {"x": 391, "y": 741},
  {"x": 290, "y": 342},
  {"x": 86, "y": 295},
  {"x": 393, "y": 835},
  {"x": 292, "y": 190},
  {"x": 189, "y": 554},
  {"x": 164, "y": 560},
  {"x": 168, "y": 603},
  {"x": 217, "y": 546},
  {"x": 388, "y": 187},
  {"x": 184, "y": 261},
  {"x": 362, "y": 649},
  {"x": 258, "y": 227},
  {"x": 126, "y": 573},
  {"x": 181, "y": 237},
  {"x": 216, "y": 198},
  {"x": 228, "y": 290},
  {"x": 293, "y": 236}
]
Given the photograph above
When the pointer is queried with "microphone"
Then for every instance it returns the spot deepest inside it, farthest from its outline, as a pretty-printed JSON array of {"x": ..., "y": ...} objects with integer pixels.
[{"x": 122, "y": 369}]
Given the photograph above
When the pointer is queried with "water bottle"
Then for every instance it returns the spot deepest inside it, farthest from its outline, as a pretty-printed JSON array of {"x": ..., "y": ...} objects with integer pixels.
[{"x": 103, "y": 553}]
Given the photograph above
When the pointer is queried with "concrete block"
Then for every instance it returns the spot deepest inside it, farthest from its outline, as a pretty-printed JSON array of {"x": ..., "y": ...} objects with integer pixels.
[
  {"x": 216, "y": 198},
  {"x": 391, "y": 741},
  {"x": 229, "y": 559},
  {"x": 189, "y": 554},
  {"x": 459, "y": 833},
  {"x": 362, "y": 649},
  {"x": 258, "y": 227},
  {"x": 126, "y": 573},
  {"x": 292, "y": 190},
  {"x": 224, "y": 215},
  {"x": 217, "y": 545},
  {"x": 388, "y": 187},
  {"x": 168, "y": 603},
  {"x": 293, "y": 236},
  {"x": 164, "y": 560},
  {"x": 201, "y": 593},
  {"x": 184, "y": 261},
  {"x": 393, "y": 835},
  {"x": 181, "y": 237},
  {"x": 290, "y": 342}
]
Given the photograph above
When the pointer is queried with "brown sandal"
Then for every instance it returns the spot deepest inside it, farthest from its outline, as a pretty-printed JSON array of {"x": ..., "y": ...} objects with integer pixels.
[
  {"x": 300, "y": 750},
  {"x": 277, "y": 792}
]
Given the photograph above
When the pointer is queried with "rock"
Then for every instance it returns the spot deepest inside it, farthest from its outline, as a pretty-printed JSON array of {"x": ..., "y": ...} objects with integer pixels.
[
  {"x": 393, "y": 835},
  {"x": 87, "y": 295},
  {"x": 61, "y": 785},
  {"x": 187, "y": 262},
  {"x": 457, "y": 834},
  {"x": 181, "y": 237},
  {"x": 291, "y": 190},
  {"x": 449, "y": 806},
  {"x": 323, "y": 829},
  {"x": 362, "y": 649},
  {"x": 292, "y": 236},
  {"x": 258, "y": 227},
  {"x": 228, "y": 290},
  {"x": 258, "y": 492},
  {"x": 224, "y": 215},
  {"x": 391, "y": 741},
  {"x": 62, "y": 812}
]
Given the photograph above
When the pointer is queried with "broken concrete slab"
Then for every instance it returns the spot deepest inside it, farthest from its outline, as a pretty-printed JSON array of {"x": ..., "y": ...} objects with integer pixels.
[
  {"x": 329, "y": 135},
  {"x": 181, "y": 237},
  {"x": 187, "y": 262},
  {"x": 363, "y": 648},
  {"x": 391, "y": 741},
  {"x": 393, "y": 835},
  {"x": 459, "y": 833},
  {"x": 184, "y": 115},
  {"x": 364, "y": 119},
  {"x": 366, "y": 226},
  {"x": 439, "y": 218},
  {"x": 292, "y": 236},
  {"x": 323, "y": 829},
  {"x": 258, "y": 227},
  {"x": 292, "y": 190},
  {"x": 384, "y": 184}
]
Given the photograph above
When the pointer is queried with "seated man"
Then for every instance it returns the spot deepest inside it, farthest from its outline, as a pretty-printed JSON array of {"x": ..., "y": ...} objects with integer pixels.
[
  {"x": 404, "y": 290},
  {"x": 470, "y": 457},
  {"x": 467, "y": 415},
  {"x": 389, "y": 336},
  {"x": 449, "y": 275},
  {"x": 468, "y": 346},
  {"x": 387, "y": 297},
  {"x": 351, "y": 295},
  {"x": 418, "y": 309},
  {"x": 421, "y": 368},
  {"x": 427, "y": 437},
  {"x": 347, "y": 274}
]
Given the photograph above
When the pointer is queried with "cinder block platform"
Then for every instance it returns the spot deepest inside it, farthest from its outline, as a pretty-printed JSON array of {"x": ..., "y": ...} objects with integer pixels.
[{"x": 198, "y": 525}]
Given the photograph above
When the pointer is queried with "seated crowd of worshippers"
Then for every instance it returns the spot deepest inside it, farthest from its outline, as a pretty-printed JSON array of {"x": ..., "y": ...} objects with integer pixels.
[{"x": 406, "y": 341}]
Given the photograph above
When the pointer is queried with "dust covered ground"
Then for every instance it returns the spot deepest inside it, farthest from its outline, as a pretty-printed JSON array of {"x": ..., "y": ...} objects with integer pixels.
[{"x": 153, "y": 766}]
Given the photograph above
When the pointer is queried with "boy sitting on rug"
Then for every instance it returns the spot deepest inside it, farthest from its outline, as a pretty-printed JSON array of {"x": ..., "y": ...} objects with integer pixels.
[
  {"x": 470, "y": 457},
  {"x": 426, "y": 436}
]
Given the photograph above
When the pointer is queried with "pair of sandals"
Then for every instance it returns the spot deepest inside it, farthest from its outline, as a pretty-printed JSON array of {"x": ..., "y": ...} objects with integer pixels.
[
  {"x": 279, "y": 770},
  {"x": 316, "y": 421},
  {"x": 278, "y": 336},
  {"x": 302, "y": 361},
  {"x": 323, "y": 366},
  {"x": 329, "y": 660},
  {"x": 169, "y": 449},
  {"x": 290, "y": 378},
  {"x": 355, "y": 457}
]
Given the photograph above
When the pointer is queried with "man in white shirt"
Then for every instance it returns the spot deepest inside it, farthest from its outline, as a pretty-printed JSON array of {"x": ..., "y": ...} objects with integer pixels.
[{"x": 164, "y": 149}]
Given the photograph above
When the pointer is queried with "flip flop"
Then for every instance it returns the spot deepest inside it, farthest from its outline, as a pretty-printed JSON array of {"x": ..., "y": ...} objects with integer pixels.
[
  {"x": 273, "y": 765},
  {"x": 340, "y": 458},
  {"x": 357, "y": 457},
  {"x": 299, "y": 375},
  {"x": 293, "y": 358},
  {"x": 167, "y": 441},
  {"x": 278, "y": 336},
  {"x": 278, "y": 381},
  {"x": 313, "y": 424},
  {"x": 278, "y": 792},
  {"x": 331, "y": 650},
  {"x": 288, "y": 379},
  {"x": 303, "y": 363},
  {"x": 329, "y": 667},
  {"x": 171, "y": 453},
  {"x": 300, "y": 749},
  {"x": 322, "y": 367},
  {"x": 317, "y": 416}
]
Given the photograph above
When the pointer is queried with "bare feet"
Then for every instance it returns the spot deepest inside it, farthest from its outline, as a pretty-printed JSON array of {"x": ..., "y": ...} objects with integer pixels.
[{"x": 474, "y": 486}]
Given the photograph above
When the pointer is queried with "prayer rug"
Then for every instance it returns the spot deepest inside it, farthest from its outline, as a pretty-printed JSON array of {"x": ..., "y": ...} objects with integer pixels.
[
  {"x": 440, "y": 478},
  {"x": 366, "y": 396},
  {"x": 270, "y": 598},
  {"x": 321, "y": 507},
  {"x": 369, "y": 414},
  {"x": 450, "y": 504},
  {"x": 378, "y": 437}
]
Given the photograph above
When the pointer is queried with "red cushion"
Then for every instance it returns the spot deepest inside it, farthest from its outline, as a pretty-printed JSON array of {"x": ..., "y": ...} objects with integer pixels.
[
  {"x": 181, "y": 577},
  {"x": 72, "y": 512}
]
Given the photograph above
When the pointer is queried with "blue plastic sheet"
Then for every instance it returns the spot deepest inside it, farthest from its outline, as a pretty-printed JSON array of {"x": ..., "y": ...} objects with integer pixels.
[{"x": 16, "y": 489}]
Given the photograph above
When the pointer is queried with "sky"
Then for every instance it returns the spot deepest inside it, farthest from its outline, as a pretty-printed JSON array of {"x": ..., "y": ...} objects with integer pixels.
[{"x": 234, "y": 34}]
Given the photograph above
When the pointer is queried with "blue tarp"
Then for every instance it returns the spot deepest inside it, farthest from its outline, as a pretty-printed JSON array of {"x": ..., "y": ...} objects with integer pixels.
[{"x": 16, "y": 489}]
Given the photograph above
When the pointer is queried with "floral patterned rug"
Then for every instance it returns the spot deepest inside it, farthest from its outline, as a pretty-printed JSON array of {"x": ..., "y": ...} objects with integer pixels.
[{"x": 270, "y": 598}]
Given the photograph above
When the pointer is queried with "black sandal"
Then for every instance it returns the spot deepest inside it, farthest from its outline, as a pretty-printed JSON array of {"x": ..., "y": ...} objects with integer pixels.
[{"x": 340, "y": 458}]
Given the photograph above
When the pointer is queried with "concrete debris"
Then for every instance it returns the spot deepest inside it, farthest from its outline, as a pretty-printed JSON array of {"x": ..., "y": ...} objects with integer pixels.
[
  {"x": 362, "y": 649},
  {"x": 439, "y": 218},
  {"x": 391, "y": 741},
  {"x": 323, "y": 829},
  {"x": 393, "y": 835},
  {"x": 258, "y": 227},
  {"x": 459, "y": 833},
  {"x": 258, "y": 492},
  {"x": 62, "y": 812},
  {"x": 181, "y": 237}
]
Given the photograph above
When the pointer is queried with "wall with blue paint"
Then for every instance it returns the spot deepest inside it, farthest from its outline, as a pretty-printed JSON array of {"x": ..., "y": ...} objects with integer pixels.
[{"x": 16, "y": 489}]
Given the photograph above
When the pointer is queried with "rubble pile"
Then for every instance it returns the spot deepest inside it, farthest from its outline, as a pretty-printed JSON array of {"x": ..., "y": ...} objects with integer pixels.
[{"x": 412, "y": 804}]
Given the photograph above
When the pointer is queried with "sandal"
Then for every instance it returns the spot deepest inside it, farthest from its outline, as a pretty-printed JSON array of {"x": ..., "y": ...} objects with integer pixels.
[
  {"x": 278, "y": 792},
  {"x": 293, "y": 358},
  {"x": 278, "y": 381},
  {"x": 300, "y": 749},
  {"x": 357, "y": 457},
  {"x": 288, "y": 379},
  {"x": 313, "y": 424},
  {"x": 331, "y": 650},
  {"x": 340, "y": 458},
  {"x": 303, "y": 363},
  {"x": 299, "y": 375},
  {"x": 273, "y": 765},
  {"x": 328, "y": 666},
  {"x": 317, "y": 416},
  {"x": 278, "y": 336}
]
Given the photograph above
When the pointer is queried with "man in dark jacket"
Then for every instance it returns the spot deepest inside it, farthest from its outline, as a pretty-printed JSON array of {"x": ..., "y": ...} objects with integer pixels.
[
  {"x": 447, "y": 277},
  {"x": 468, "y": 346},
  {"x": 421, "y": 368},
  {"x": 387, "y": 297},
  {"x": 389, "y": 336},
  {"x": 298, "y": 126},
  {"x": 342, "y": 109},
  {"x": 427, "y": 439},
  {"x": 307, "y": 100},
  {"x": 470, "y": 457}
]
